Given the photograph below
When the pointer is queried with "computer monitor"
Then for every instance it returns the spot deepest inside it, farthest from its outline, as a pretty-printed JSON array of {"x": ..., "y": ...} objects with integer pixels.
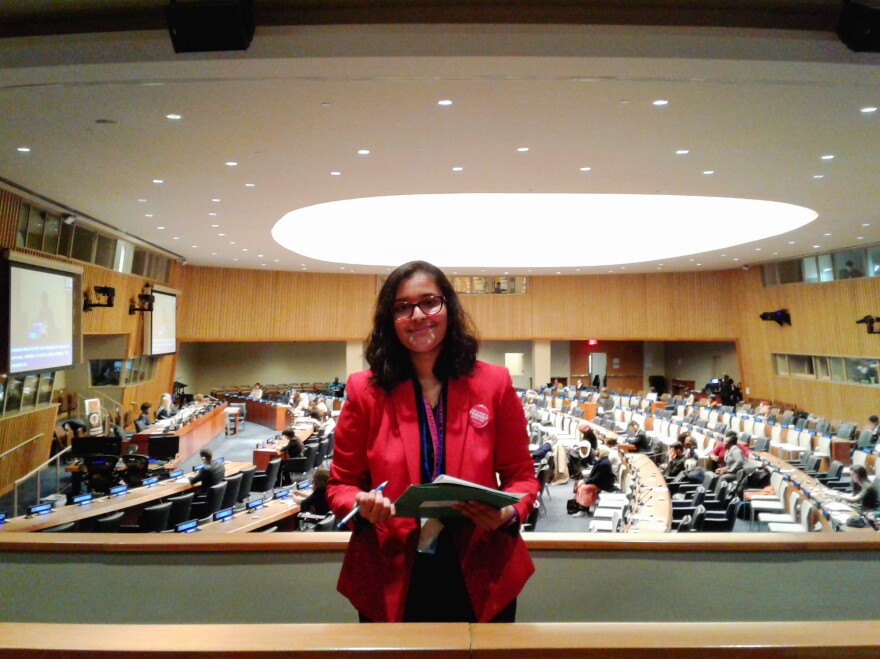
[{"x": 163, "y": 447}]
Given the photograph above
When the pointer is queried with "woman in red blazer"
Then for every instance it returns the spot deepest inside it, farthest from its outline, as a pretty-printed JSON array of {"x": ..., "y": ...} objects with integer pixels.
[{"x": 427, "y": 407}]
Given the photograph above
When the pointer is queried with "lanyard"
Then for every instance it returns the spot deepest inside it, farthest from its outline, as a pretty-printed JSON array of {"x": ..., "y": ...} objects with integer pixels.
[{"x": 433, "y": 434}]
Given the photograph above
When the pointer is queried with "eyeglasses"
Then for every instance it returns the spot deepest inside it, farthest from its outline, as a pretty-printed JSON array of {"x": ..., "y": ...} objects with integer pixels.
[{"x": 428, "y": 306}]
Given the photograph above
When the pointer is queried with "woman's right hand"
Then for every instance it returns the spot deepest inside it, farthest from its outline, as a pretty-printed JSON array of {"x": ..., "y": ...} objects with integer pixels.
[{"x": 374, "y": 507}]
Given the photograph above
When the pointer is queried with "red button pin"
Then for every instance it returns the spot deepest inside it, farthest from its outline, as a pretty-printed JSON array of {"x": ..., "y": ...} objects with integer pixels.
[{"x": 479, "y": 416}]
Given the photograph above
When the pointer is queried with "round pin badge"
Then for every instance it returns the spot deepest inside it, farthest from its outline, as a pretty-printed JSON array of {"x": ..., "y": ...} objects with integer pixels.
[{"x": 479, "y": 416}]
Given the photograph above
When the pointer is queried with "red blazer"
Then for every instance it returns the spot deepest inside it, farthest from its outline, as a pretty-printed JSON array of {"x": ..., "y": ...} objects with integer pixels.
[{"x": 377, "y": 439}]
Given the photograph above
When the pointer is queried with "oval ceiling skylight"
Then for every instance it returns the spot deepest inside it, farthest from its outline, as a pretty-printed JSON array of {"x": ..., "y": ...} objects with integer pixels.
[{"x": 534, "y": 230}]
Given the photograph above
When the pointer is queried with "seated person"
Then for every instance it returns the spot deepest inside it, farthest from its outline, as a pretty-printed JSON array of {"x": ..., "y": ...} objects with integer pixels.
[
  {"x": 312, "y": 420},
  {"x": 256, "y": 393},
  {"x": 579, "y": 458},
  {"x": 143, "y": 420},
  {"x": 734, "y": 460},
  {"x": 874, "y": 427},
  {"x": 328, "y": 424},
  {"x": 693, "y": 472},
  {"x": 295, "y": 448},
  {"x": 211, "y": 473},
  {"x": 315, "y": 503},
  {"x": 636, "y": 438},
  {"x": 613, "y": 455},
  {"x": 199, "y": 399},
  {"x": 166, "y": 408},
  {"x": 321, "y": 404},
  {"x": 675, "y": 461},
  {"x": 605, "y": 402},
  {"x": 601, "y": 478},
  {"x": 864, "y": 494}
]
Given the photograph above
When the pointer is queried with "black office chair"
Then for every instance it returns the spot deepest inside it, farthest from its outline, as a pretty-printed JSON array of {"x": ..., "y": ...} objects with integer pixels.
[
  {"x": 722, "y": 521},
  {"x": 153, "y": 519},
  {"x": 181, "y": 506},
  {"x": 137, "y": 467},
  {"x": 312, "y": 455},
  {"x": 293, "y": 469},
  {"x": 211, "y": 503},
  {"x": 265, "y": 480},
  {"x": 323, "y": 447},
  {"x": 109, "y": 524},
  {"x": 247, "y": 479},
  {"x": 101, "y": 472},
  {"x": 233, "y": 484}
]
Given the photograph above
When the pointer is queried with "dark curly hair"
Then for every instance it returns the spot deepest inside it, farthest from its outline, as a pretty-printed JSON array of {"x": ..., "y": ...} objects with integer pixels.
[{"x": 390, "y": 361}]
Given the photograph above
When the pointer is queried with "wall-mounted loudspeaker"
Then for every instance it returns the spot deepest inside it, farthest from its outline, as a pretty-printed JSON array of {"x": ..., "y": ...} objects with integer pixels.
[
  {"x": 200, "y": 26},
  {"x": 779, "y": 317}
]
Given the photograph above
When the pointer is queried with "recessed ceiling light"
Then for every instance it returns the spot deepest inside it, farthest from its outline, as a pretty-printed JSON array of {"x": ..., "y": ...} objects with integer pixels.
[
  {"x": 757, "y": 249},
  {"x": 869, "y": 109},
  {"x": 818, "y": 176},
  {"x": 304, "y": 268},
  {"x": 523, "y": 149},
  {"x": 212, "y": 214},
  {"x": 249, "y": 185},
  {"x": 235, "y": 259},
  {"x": 860, "y": 238},
  {"x": 341, "y": 268},
  {"x": 660, "y": 102},
  {"x": 214, "y": 226},
  {"x": 142, "y": 201},
  {"x": 213, "y": 253},
  {"x": 24, "y": 149},
  {"x": 244, "y": 249},
  {"x": 444, "y": 102},
  {"x": 363, "y": 152},
  {"x": 775, "y": 253},
  {"x": 736, "y": 259},
  {"x": 335, "y": 173},
  {"x": 866, "y": 224},
  {"x": 682, "y": 152},
  {"x": 263, "y": 264},
  {"x": 277, "y": 260},
  {"x": 158, "y": 181},
  {"x": 194, "y": 246},
  {"x": 791, "y": 242},
  {"x": 709, "y": 172},
  {"x": 586, "y": 169},
  {"x": 457, "y": 169},
  {"x": 215, "y": 200},
  {"x": 148, "y": 215},
  {"x": 161, "y": 228},
  {"x": 699, "y": 264},
  {"x": 231, "y": 163},
  {"x": 691, "y": 260},
  {"x": 172, "y": 116},
  {"x": 259, "y": 256},
  {"x": 176, "y": 238},
  {"x": 816, "y": 246},
  {"x": 231, "y": 242},
  {"x": 828, "y": 157},
  {"x": 559, "y": 273},
  {"x": 827, "y": 234}
]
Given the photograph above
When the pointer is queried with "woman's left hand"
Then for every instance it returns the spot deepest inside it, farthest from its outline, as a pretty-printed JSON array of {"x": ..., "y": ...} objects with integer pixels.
[{"x": 486, "y": 517}]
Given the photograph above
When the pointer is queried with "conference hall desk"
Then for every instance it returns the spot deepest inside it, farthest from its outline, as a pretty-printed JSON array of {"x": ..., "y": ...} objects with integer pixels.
[
  {"x": 272, "y": 513},
  {"x": 263, "y": 413},
  {"x": 653, "y": 509},
  {"x": 264, "y": 454},
  {"x": 135, "y": 498},
  {"x": 193, "y": 436},
  {"x": 815, "y": 490}
]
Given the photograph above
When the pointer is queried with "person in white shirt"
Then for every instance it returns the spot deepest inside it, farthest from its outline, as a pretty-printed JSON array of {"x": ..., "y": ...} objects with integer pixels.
[{"x": 256, "y": 392}]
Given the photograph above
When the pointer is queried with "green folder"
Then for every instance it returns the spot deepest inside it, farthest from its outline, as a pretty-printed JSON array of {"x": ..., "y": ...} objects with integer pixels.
[{"x": 436, "y": 499}]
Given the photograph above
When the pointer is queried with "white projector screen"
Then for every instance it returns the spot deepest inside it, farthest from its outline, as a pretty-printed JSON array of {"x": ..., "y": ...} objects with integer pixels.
[{"x": 160, "y": 326}]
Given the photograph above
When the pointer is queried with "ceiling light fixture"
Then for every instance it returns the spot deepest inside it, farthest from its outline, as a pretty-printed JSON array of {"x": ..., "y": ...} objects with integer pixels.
[
  {"x": 660, "y": 102},
  {"x": 445, "y": 102},
  {"x": 249, "y": 185},
  {"x": 457, "y": 169},
  {"x": 869, "y": 109},
  {"x": 586, "y": 169},
  {"x": 24, "y": 149},
  {"x": 335, "y": 173},
  {"x": 158, "y": 181},
  {"x": 682, "y": 152},
  {"x": 523, "y": 149},
  {"x": 709, "y": 172},
  {"x": 361, "y": 245},
  {"x": 231, "y": 163},
  {"x": 363, "y": 152},
  {"x": 173, "y": 116},
  {"x": 828, "y": 157}
]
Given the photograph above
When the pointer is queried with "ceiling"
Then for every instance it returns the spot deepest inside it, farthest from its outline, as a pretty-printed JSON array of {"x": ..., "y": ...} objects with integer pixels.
[{"x": 758, "y": 108}]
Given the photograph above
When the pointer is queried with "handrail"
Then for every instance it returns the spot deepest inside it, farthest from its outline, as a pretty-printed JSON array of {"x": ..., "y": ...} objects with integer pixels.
[
  {"x": 56, "y": 458},
  {"x": 18, "y": 446}
]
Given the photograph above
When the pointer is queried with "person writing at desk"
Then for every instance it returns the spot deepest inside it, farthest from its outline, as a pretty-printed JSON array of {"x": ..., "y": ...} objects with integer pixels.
[
  {"x": 295, "y": 448},
  {"x": 864, "y": 494},
  {"x": 428, "y": 407},
  {"x": 211, "y": 472},
  {"x": 143, "y": 420}
]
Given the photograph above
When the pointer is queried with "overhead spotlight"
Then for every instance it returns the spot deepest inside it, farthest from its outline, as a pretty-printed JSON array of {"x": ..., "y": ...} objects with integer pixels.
[
  {"x": 147, "y": 301},
  {"x": 859, "y": 26},
  {"x": 107, "y": 292},
  {"x": 201, "y": 26},
  {"x": 780, "y": 317},
  {"x": 871, "y": 322}
]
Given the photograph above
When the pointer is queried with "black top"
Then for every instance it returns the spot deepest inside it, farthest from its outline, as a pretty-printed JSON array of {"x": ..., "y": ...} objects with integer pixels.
[
  {"x": 209, "y": 475},
  {"x": 316, "y": 502},
  {"x": 602, "y": 475},
  {"x": 868, "y": 499},
  {"x": 641, "y": 442}
]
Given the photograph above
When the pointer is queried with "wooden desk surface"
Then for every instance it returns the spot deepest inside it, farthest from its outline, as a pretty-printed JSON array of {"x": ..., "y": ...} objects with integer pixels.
[
  {"x": 652, "y": 511},
  {"x": 138, "y": 496},
  {"x": 244, "y": 522},
  {"x": 193, "y": 436}
]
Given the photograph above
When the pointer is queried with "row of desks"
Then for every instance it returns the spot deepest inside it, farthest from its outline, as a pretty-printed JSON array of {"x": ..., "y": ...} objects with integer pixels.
[
  {"x": 193, "y": 436},
  {"x": 263, "y": 413},
  {"x": 134, "y": 498}
]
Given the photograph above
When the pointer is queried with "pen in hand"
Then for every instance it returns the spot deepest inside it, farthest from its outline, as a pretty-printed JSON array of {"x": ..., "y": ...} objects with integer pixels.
[{"x": 345, "y": 520}]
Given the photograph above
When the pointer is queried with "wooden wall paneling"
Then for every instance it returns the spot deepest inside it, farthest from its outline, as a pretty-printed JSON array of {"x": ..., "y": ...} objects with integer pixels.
[
  {"x": 10, "y": 206},
  {"x": 16, "y": 429},
  {"x": 502, "y": 317}
]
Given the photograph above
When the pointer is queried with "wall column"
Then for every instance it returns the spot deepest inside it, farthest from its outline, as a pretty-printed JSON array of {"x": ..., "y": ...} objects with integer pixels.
[
  {"x": 541, "y": 363},
  {"x": 354, "y": 357}
]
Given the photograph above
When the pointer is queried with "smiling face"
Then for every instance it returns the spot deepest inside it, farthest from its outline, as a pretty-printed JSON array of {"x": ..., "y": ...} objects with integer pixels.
[{"x": 420, "y": 334}]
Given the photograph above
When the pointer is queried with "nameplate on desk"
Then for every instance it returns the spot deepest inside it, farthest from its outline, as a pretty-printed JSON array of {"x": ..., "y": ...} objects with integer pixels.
[
  {"x": 2, "y": 518},
  {"x": 116, "y": 490},
  {"x": 223, "y": 515},
  {"x": 82, "y": 499},
  {"x": 187, "y": 527},
  {"x": 255, "y": 504},
  {"x": 220, "y": 460},
  {"x": 282, "y": 494},
  {"x": 302, "y": 485},
  {"x": 177, "y": 473},
  {"x": 39, "y": 509},
  {"x": 150, "y": 482},
  {"x": 198, "y": 467}
]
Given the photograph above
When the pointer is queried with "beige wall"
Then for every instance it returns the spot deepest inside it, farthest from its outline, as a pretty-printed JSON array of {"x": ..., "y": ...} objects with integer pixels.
[{"x": 696, "y": 360}]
